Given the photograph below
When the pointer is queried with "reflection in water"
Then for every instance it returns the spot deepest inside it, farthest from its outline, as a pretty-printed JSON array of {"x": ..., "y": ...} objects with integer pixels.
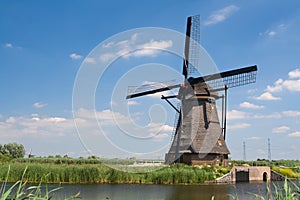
[{"x": 164, "y": 192}]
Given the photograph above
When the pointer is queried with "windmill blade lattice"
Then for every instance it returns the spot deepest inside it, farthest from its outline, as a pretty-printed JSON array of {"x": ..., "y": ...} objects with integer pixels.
[
  {"x": 150, "y": 88},
  {"x": 232, "y": 78},
  {"x": 194, "y": 46}
]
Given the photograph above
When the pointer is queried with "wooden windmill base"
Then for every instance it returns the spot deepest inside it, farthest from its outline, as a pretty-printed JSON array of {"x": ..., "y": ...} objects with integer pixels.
[{"x": 198, "y": 159}]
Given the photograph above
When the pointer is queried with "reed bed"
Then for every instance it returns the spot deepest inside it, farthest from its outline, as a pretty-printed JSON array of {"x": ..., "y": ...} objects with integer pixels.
[
  {"x": 99, "y": 173},
  {"x": 289, "y": 191},
  {"x": 20, "y": 191}
]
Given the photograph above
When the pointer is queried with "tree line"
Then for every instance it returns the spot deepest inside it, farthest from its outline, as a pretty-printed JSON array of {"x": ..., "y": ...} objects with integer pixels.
[{"x": 12, "y": 150}]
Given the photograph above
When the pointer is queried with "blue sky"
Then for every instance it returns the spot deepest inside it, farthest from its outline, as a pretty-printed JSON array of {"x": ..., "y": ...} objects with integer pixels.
[{"x": 45, "y": 44}]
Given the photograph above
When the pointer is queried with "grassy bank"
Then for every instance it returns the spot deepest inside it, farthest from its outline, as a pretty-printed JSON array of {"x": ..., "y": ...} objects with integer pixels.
[
  {"x": 90, "y": 170},
  {"x": 87, "y": 173}
]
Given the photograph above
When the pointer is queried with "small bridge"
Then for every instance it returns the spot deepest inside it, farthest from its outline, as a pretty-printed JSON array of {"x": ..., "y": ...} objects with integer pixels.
[
  {"x": 246, "y": 174},
  {"x": 249, "y": 174}
]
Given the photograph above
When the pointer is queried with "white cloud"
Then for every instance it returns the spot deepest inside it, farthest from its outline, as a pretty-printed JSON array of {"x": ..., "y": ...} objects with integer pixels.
[
  {"x": 276, "y": 88},
  {"x": 75, "y": 56},
  {"x": 134, "y": 48},
  {"x": 267, "y": 96},
  {"x": 235, "y": 114},
  {"x": 291, "y": 113},
  {"x": 238, "y": 126},
  {"x": 275, "y": 30},
  {"x": 271, "y": 116},
  {"x": 116, "y": 125},
  {"x": 55, "y": 119},
  {"x": 110, "y": 115},
  {"x": 90, "y": 60},
  {"x": 294, "y": 74},
  {"x": 271, "y": 33},
  {"x": 22, "y": 126},
  {"x": 106, "y": 57},
  {"x": 162, "y": 44},
  {"x": 8, "y": 45},
  {"x": 250, "y": 105},
  {"x": 39, "y": 105},
  {"x": 282, "y": 26},
  {"x": 292, "y": 85},
  {"x": 294, "y": 134},
  {"x": 280, "y": 129},
  {"x": 132, "y": 103},
  {"x": 105, "y": 117},
  {"x": 253, "y": 138},
  {"x": 61, "y": 131},
  {"x": 158, "y": 130},
  {"x": 251, "y": 91},
  {"x": 142, "y": 52},
  {"x": 158, "y": 127},
  {"x": 148, "y": 49},
  {"x": 107, "y": 45},
  {"x": 220, "y": 15},
  {"x": 11, "y": 120},
  {"x": 160, "y": 136},
  {"x": 110, "y": 118},
  {"x": 11, "y": 46}
]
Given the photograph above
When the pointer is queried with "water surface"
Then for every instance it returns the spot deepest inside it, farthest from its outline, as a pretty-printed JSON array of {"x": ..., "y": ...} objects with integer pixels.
[{"x": 164, "y": 192}]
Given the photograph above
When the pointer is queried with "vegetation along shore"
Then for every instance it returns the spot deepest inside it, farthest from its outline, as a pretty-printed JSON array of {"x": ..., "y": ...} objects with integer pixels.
[{"x": 90, "y": 170}]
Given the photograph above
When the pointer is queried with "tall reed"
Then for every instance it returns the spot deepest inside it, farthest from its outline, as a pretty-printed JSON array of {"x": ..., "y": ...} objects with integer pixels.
[
  {"x": 289, "y": 191},
  {"x": 20, "y": 191},
  {"x": 98, "y": 173}
]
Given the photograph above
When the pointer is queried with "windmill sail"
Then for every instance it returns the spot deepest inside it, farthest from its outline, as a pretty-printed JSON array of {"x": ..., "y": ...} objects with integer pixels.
[
  {"x": 232, "y": 78},
  {"x": 192, "y": 46},
  {"x": 150, "y": 88}
]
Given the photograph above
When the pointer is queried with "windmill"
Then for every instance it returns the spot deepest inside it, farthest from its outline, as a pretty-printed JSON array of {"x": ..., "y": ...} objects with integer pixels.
[{"x": 199, "y": 137}]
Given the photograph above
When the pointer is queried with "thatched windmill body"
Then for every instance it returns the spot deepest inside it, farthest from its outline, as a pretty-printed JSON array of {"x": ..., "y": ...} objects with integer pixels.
[{"x": 199, "y": 135}]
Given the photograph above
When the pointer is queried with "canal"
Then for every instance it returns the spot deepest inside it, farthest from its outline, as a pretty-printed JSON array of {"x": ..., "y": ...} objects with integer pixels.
[{"x": 163, "y": 192}]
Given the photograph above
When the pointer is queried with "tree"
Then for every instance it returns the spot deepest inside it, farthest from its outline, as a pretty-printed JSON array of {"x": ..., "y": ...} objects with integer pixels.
[{"x": 13, "y": 150}]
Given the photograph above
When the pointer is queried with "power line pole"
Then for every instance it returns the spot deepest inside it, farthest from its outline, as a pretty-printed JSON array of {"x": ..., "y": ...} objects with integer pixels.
[
  {"x": 269, "y": 150},
  {"x": 244, "y": 147}
]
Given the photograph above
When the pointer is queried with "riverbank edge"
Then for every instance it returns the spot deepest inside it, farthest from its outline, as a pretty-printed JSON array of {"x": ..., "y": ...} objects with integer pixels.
[
  {"x": 102, "y": 174},
  {"x": 96, "y": 173}
]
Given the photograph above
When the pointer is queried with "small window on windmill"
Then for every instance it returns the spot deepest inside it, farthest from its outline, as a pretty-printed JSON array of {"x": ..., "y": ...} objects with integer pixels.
[{"x": 219, "y": 142}]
